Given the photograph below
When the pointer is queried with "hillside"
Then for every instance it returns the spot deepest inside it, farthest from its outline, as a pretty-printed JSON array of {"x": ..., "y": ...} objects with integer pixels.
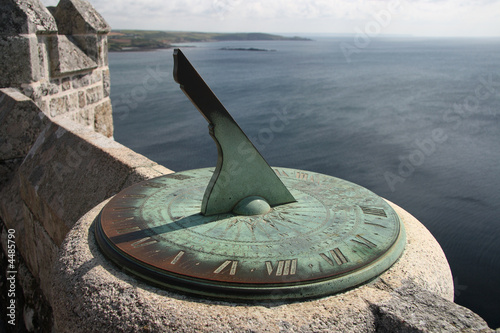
[{"x": 141, "y": 40}]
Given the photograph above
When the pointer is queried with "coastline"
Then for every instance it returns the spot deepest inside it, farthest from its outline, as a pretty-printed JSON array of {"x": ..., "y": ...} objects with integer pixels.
[{"x": 149, "y": 40}]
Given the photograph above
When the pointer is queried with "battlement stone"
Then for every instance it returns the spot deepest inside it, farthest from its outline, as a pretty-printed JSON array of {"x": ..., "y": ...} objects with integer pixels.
[
  {"x": 25, "y": 17},
  {"x": 78, "y": 17},
  {"x": 43, "y": 51}
]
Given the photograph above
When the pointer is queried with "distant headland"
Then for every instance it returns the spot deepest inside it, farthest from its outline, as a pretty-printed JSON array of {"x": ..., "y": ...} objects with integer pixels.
[{"x": 145, "y": 40}]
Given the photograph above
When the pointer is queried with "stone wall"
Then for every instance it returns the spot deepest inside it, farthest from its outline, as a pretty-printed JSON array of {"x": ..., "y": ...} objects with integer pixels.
[
  {"x": 58, "y": 58},
  {"x": 57, "y": 155},
  {"x": 66, "y": 170}
]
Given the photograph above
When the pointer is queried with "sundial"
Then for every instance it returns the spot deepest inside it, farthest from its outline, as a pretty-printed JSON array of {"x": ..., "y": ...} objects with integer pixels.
[{"x": 244, "y": 230}]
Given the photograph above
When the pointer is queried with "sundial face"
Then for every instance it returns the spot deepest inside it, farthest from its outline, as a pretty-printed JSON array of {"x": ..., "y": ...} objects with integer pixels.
[
  {"x": 287, "y": 234},
  {"x": 334, "y": 228}
]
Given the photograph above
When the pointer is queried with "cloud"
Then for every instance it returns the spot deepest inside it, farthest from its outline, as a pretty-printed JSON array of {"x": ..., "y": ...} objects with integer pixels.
[{"x": 419, "y": 17}]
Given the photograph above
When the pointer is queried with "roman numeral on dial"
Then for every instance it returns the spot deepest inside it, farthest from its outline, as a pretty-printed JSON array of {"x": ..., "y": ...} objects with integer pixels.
[
  {"x": 283, "y": 267},
  {"x": 336, "y": 256},
  {"x": 363, "y": 241},
  {"x": 232, "y": 270}
]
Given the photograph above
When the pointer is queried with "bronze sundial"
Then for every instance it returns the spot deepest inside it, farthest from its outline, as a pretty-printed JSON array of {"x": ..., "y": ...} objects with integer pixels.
[{"x": 255, "y": 232}]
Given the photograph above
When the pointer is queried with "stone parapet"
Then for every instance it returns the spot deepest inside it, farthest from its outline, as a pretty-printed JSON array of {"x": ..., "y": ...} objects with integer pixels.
[
  {"x": 59, "y": 60},
  {"x": 25, "y": 17},
  {"x": 25, "y": 26},
  {"x": 77, "y": 17},
  {"x": 86, "y": 26},
  {"x": 19, "y": 60},
  {"x": 70, "y": 166},
  {"x": 20, "y": 125},
  {"x": 67, "y": 58},
  {"x": 61, "y": 170}
]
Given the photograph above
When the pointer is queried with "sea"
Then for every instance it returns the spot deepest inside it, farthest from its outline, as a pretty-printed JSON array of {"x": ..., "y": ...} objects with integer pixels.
[{"x": 415, "y": 120}]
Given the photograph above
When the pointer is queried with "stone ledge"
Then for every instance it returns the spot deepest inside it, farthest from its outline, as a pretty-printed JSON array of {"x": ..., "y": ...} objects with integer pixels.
[
  {"x": 21, "y": 123},
  {"x": 95, "y": 296},
  {"x": 70, "y": 169},
  {"x": 66, "y": 172}
]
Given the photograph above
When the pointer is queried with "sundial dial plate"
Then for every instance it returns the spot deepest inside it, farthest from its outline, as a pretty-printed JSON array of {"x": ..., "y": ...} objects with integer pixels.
[{"x": 310, "y": 247}]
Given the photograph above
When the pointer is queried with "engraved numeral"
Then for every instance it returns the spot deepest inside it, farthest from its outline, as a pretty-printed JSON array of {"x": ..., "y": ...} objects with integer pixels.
[
  {"x": 373, "y": 211},
  {"x": 144, "y": 242},
  {"x": 284, "y": 267},
  {"x": 123, "y": 220},
  {"x": 234, "y": 265},
  {"x": 305, "y": 176},
  {"x": 177, "y": 257},
  {"x": 337, "y": 255},
  {"x": 363, "y": 241},
  {"x": 282, "y": 172},
  {"x": 302, "y": 175},
  {"x": 127, "y": 230}
]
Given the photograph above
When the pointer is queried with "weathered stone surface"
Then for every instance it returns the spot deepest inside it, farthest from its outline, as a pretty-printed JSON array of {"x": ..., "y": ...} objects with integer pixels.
[
  {"x": 69, "y": 170},
  {"x": 84, "y": 80},
  {"x": 412, "y": 309},
  {"x": 103, "y": 118},
  {"x": 33, "y": 314},
  {"x": 36, "y": 197},
  {"x": 105, "y": 298},
  {"x": 37, "y": 313},
  {"x": 94, "y": 94},
  {"x": 84, "y": 116},
  {"x": 19, "y": 62},
  {"x": 73, "y": 101},
  {"x": 41, "y": 89},
  {"x": 81, "y": 99},
  {"x": 11, "y": 210},
  {"x": 39, "y": 250},
  {"x": 66, "y": 57},
  {"x": 8, "y": 169},
  {"x": 25, "y": 17},
  {"x": 81, "y": 80},
  {"x": 21, "y": 123},
  {"x": 53, "y": 86},
  {"x": 66, "y": 83},
  {"x": 58, "y": 105},
  {"x": 79, "y": 17},
  {"x": 106, "y": 82},
  {"x": 103, "y": 50}
]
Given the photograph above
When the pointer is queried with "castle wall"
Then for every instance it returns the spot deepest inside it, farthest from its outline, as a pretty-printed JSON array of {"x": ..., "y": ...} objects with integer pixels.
[
  {"x": 57, "y": 156},
  {"x": 66, "y": 170},
  {"x": 59, "y": 60}
]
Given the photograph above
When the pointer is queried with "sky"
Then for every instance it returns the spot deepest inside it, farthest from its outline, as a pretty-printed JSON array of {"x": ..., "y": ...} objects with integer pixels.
[{"x": 458, "y": 18}]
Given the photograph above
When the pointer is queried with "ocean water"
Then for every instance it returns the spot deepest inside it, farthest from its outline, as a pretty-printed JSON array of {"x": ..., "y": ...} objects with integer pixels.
[{"x": 416, "y": 121}]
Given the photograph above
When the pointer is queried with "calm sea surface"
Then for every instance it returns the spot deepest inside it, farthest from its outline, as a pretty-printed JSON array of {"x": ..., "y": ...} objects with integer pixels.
[{"x": 417, "y": 121}]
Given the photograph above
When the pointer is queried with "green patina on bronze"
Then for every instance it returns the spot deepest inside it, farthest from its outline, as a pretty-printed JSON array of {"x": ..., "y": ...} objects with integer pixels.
[
  {"x": 256, "y": 233},
  {"x": 241, "y": 170}
]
